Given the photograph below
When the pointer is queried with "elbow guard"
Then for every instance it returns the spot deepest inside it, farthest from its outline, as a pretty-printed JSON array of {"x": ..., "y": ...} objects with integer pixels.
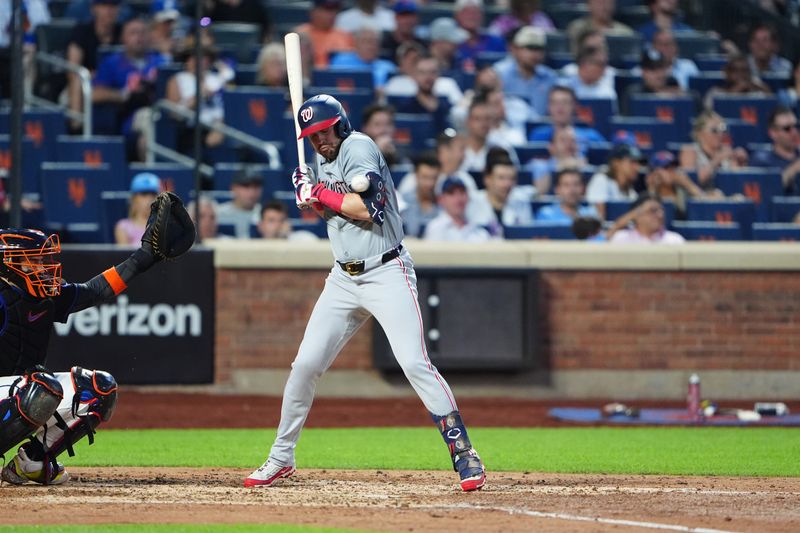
[{"x": 374, "y": 198}]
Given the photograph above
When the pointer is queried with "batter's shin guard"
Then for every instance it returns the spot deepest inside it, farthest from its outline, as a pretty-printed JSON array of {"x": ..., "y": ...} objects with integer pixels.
[
  {"x": 466, "y": 460},
  {"x": 453, "y": 432},
  {"x": 94, "y": 402},
  {"x": 33, "y": 399}
]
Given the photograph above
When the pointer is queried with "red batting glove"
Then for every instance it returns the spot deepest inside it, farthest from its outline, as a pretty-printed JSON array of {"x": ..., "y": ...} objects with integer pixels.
[{"x": 327, "y": 197}]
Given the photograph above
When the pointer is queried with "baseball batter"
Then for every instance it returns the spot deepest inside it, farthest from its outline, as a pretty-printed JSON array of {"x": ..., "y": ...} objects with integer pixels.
[{"x": 373, "y": 274}]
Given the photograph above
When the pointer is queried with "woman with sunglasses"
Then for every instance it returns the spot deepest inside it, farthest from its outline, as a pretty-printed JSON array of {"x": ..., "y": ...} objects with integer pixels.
[{"x": 709, "y": 152}]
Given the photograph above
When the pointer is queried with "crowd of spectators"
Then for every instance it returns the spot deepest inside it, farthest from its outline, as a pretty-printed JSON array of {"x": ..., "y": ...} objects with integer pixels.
[{"x": 488, "y": 87}]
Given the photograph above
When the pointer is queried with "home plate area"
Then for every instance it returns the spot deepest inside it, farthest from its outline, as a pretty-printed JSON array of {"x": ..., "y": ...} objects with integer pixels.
[{"x": 412, "y": 500}]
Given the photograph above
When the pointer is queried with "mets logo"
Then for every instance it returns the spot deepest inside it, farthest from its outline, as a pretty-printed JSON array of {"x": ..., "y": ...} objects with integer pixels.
[{"x": 307, "y": 114}]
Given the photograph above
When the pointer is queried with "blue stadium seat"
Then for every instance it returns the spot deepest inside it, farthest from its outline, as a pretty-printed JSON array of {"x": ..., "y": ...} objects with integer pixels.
[
  {"x": 42, "y": 127},
  {"x": 597, "y": 153},
  {"x": 484, "y": 59},
  {"x": 317, "y": 227},
  {"x": 756, "y": 184},
  {"x": 163, "y": 74},
  {"x": 557, "y": 42},
  {"x": 255, "y": 110},
  {"x": 706, "y": 80},
  {"x": 539, "y": 230},
  {"x": 677, "y": 110},
  {"x": 174, "y": 177},
  {"x": 465, "y": 80},
  {"x": 559, "y": 60},
  {"x": 344, "y": 79},
  {"x": 710, "y": 62},
  {"x": 94, "y": 151},
  {"x": 742, "y": 133},
  {"x": 651, "y": 133},
  {"x": 246, "y": 74},
  {"x": 776, "y": 232},
  {"x": 742, "y": 212},
  {"x": 623, "y": 79},
  {"x": 229, "y": 230},
  {"x": 776, "y": 82},
  {"x": 692, "y": 43},
  {"x": 709, "y": 231},
  {"x": 751, "y": 109},
  {"x": 413, "y": 131},
  {"x": 785, "y": 208},
  {"x": 71, "y": 197},
  {"x": 30, "y": 163},
  {"x": 532, "y": 150},
  {"x": 524, "y": 177},
  {"x": 596, "y": 113},
  {"x": 623, "y": 45}
]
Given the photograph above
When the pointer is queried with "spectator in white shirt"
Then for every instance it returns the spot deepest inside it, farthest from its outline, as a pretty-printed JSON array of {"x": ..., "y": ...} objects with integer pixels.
[
  {"x": 366, "y": 13},
  {"x": 592, "y": 38},
  {"x": 479, "y": 124},
  {"x": 451, "y": 224},
  {"x": 589, "y": 80},
  {"x": 647, "y": 213}
]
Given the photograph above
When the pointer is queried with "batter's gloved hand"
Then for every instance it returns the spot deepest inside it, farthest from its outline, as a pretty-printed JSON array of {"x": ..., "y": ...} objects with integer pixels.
[
  {"x": 169, "y": 231},
  {"x": 303, "y": 182}
]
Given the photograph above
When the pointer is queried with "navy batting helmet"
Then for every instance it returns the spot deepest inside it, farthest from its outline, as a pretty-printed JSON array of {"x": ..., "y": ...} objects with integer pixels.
[{"x": 320, "y": 112}]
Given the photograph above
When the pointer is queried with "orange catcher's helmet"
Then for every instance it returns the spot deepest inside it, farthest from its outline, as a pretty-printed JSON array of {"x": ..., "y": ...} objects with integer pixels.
[{"x": 31, "y": 261}]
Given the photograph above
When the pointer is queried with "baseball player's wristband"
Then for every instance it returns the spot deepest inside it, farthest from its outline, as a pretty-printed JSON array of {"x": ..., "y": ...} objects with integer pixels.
[{"x": 328, "y": 198}]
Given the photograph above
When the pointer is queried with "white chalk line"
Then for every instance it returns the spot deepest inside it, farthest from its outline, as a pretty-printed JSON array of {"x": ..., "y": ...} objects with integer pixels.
[{"x": 576, "y": 518}]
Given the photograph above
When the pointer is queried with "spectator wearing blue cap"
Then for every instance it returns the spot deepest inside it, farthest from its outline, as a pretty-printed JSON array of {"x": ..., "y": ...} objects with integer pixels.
[
  {"x": 616, "y": 183},
  {"x": 144, "y": 188},
  {"x": 451, "y": 223},
  {"x": 365, "y": 14}
]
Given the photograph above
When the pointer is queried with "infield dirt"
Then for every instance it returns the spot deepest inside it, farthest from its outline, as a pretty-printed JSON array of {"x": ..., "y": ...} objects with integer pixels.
[{"x": 391, "y": 500}]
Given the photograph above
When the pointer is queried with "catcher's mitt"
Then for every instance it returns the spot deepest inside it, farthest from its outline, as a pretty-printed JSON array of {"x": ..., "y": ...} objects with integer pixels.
[{"x": 170, "y": 231}]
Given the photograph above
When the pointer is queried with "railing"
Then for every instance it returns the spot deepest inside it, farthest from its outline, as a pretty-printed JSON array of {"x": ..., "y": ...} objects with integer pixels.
[
  {"x": 153, "y": 148},
  {"x": 86, "y": 89}
]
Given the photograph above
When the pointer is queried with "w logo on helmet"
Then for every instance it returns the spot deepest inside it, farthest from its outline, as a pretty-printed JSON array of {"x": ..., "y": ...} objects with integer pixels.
[{"x": 307, "y": 114}]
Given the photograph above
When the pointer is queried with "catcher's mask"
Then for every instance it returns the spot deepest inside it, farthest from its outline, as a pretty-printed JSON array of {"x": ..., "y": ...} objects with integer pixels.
[{"x": 31, "y": 261}]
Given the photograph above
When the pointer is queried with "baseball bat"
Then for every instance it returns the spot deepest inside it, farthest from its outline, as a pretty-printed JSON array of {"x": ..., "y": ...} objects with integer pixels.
[{"x": 294, "y": 71}]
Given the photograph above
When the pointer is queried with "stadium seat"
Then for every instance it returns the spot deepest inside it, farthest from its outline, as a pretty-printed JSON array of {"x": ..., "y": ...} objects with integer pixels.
[
  {"x": 246, "y": 75},
  {"x": 677, "y": 110},
  {"x": 344, "y": 79},
  {"x": 750, "y": 109},
  {"x": 651, "y": 133},
  {"x": 624, "y": 78},
  {"x": 238, "y": 37},
  {"x": 540, "y": 230},
  {"x": 412, "y": 131},
  {"x": 776, "y": 232},
  {"x": 754, "y": 183},
  {"x": 254, "y": 110},
  {"x": 708, "y": 231},
  {"x": 114, "y": 207},
  {"x": 741, "y": 133},
  {"x": 710, "y": 62},
  {"x": 565, "y": 12},
  {"x": 559, "y": 60},
  {"x": 532, "y": 150},
  {"x": 317, "y": 227},
  {"x": 95, "y": 151},
  {"x": 557, "y": 42},
  {"x": 723, "y": 212},
  {"x": 597, "y": 153},
  {"x": 71, "y": 198},
  {"x": 596, "y": 113},
  {"x": 485, "y": 59},
  {"x": 704, "y": 81},
  {"x": 692, "y": 43},
  {"x": 784, "y": 208},
  {"x": 620, "y": 46},
  {"x": 776, "y": 82},
  {"x": 52, "y": 38},
  {"x": 42, "y": 127},
  {"x": 163, "y": 75},
  {"x": 30, "y": 164}
]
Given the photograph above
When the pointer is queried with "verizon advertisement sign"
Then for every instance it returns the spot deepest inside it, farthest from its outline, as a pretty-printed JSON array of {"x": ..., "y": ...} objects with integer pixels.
[{"x": 159, "y": 331}]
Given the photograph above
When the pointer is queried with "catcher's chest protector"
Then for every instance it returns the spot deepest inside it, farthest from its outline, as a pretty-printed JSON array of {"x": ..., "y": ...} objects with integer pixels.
[{"x": 25, "y": 326}]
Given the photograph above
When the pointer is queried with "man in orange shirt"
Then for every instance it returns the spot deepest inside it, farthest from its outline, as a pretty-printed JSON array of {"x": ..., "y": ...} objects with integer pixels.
[{"x": 324, "y": 36}]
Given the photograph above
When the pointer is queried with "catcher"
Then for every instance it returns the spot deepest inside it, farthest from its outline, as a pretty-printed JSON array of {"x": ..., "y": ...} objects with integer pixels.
[{"x": 57, "y": 409}]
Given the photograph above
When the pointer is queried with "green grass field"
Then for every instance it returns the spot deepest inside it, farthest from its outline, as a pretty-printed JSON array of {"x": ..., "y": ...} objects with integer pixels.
[{"x": 684, "y": 451}]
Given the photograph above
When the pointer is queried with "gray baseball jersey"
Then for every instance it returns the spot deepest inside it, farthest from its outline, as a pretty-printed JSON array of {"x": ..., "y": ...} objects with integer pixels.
[
  {"x": 354, "y": 239},
  {"x": 384, "y": 286}
]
